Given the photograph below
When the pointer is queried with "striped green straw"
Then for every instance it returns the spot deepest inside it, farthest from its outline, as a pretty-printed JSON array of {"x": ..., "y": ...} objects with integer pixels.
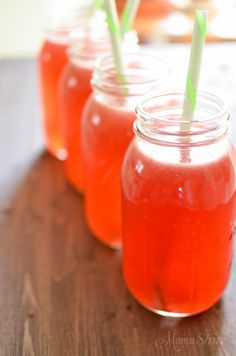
[
  {"x": 128, "y": 15},
  {"x": 199, "y": 36},
  {"x": 114, "y": 27}
]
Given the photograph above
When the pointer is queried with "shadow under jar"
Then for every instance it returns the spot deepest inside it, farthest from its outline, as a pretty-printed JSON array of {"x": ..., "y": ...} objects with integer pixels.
[
  {"x": 107, "y": 131},
  {"x": 179, "y": 205},
  {"x": 75, "y": 88}
]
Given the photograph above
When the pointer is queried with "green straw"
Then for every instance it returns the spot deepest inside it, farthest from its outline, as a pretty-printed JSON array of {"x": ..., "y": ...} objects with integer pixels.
[
  {"x": 199, "y": 36},
  {"x": 129, "y": 15},
  {"x": 97, "y": 4},
  {"x": 114, "y": 27}
]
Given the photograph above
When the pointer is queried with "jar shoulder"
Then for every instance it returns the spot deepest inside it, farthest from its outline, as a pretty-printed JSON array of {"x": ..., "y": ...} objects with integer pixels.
[
  {"x": 208, "y": 165},
  {"x": 74, "y": 79}
]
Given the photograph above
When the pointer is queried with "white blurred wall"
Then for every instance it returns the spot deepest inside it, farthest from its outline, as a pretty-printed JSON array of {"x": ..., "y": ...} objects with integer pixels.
[
  {"x": 22, "y": 23},
  {"x": 21, "y": 27}
]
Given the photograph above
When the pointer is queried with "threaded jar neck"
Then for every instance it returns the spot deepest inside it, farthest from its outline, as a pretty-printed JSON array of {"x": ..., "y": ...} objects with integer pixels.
[
  {"x": 93, "y": 42},
  {"x": 159, "y": 119},
  {"x": 142, "y": 74}
]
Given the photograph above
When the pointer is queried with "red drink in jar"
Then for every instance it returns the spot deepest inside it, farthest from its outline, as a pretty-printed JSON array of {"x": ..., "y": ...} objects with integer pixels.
[
  {"x": 64, "y": 18},
  {"x": 179, "y": 206},
  {"x": 103, "y": 158},
  {"x": 75, "y": 88},
  {"x": 52, "y": 60},
  {"x": 107, "y": 131}
]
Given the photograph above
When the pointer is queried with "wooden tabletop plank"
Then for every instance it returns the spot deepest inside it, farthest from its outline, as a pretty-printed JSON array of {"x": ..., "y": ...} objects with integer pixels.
[{"x": 62, "y": 292}]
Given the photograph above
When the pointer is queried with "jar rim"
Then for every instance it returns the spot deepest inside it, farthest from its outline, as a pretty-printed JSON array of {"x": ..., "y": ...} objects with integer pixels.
[
  {"x": 140, "y": 111},
  {"x": 161, "y": 121},
  {"x": 105, "y": 71},
  {"x": 76, "y": 49},
  {"x": 99, "y": 41},
  {"x": 73, "y": 28},
  {"x": 59, "y": 34}
]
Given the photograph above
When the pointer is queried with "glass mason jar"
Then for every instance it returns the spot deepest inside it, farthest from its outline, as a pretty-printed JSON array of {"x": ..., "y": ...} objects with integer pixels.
[
  {"x": 75, "y": 88},
  {"x": 107, "y": 131},
  {"x": 51, "y": 60},
  {"x": 178, "y": 205}
]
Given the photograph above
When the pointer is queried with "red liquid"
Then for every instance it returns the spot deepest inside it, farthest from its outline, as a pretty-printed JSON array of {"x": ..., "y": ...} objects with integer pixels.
[
  {"x": 52, "y": 59},
  {"x": 73, "y": 92},
  {"x": 108, "y": 132},
  {"x": 177, "y": 231}
]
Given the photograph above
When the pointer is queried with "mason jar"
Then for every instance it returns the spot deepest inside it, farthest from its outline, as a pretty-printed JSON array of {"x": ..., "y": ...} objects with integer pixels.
[
  {"x": 178, "y": 205},
  {"x": 107, "y": 131},
  {"x": 75, "y": 88},
  {"x": 51, "y": 61}
]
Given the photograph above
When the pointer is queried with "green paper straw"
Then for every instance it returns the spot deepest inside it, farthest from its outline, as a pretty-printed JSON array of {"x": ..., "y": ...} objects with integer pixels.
[
  {"x": 129, "y": 15},
  {"x": 114, "y": 27},
  {"x": 97, "y": 4},
  {"x": 199, "y": 36}
]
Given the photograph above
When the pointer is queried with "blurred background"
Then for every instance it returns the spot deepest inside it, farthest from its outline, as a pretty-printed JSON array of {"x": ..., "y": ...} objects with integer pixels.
[{"x": 22, "y": 23}]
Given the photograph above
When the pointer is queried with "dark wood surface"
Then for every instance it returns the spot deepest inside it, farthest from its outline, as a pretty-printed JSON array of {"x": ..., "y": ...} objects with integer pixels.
[{"x": 61, "y": 291}]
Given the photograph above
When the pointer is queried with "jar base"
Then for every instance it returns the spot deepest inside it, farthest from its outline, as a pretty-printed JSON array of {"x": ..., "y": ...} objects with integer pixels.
[
  {"x": 60, "y": 154},
  {"x": 78, "y": 188},
  {"x": 113, "y": 246},
  {"x": 167, "y": 313}
]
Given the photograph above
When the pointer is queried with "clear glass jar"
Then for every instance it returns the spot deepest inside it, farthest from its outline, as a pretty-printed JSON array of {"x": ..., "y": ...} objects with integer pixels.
[
  {"x": 107, "y": 131},
  {"x": 51, "y": 61},
  {"x": 179, "y": 205},
  {"x": 75, "y": 88}
]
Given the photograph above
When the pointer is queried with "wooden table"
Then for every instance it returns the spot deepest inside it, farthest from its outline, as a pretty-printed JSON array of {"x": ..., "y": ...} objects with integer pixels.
[{"x": 61, "y": 291}]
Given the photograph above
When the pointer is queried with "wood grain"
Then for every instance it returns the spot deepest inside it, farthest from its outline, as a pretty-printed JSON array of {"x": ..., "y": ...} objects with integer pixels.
[{"x": 61, "y": 291}]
